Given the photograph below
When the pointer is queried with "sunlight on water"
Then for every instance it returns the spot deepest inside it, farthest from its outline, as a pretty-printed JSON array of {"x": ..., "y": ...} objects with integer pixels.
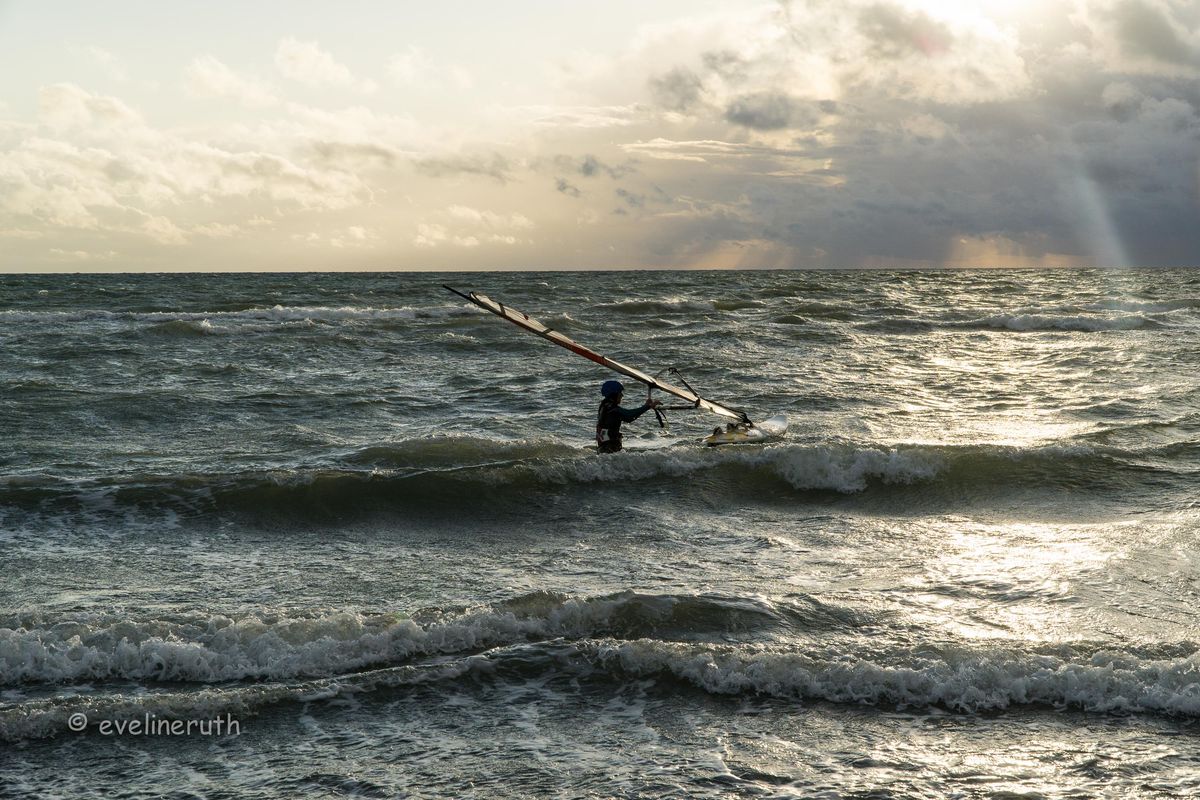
[{"x": 365, "y": 518}]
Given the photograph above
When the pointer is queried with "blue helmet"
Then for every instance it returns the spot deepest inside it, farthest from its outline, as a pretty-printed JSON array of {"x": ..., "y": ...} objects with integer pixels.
[{"x": 611, "y": 388}]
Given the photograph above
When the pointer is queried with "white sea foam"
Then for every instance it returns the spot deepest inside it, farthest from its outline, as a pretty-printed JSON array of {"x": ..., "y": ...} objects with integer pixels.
[
  {"x": 223, "y": 648},
  {"x": 660, "y": 305},
  {"x": 838, "y": 468},
  {"x": 1104, "y": 681},
  {"x": 341, "y": 652}
]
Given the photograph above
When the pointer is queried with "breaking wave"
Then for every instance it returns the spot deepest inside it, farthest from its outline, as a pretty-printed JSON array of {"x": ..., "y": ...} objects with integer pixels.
[
  {"x": 797, "y": 650},
  {"x": 464, "y": 471},
  {"x": 961, "y": 679},
  {"x": 268, "y": 646},
  {"x": 1144, "y": 306}
]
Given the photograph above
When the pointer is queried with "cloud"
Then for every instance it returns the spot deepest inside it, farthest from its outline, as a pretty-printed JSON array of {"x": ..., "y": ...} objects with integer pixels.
[
  {"x": 770, "y": 110},
  {"x": 632, "y": 200},
  {"x": 742, "y": 154},
  {"x": 491, "y": 165},
  {"x": 65, "y": 105},
  {"x": 415, "y": 68},
  {"x": 771, "y": 69},
  {"x": 352, "y": 237},
  {"x": 871, "y": 132},
  {"x": 467, "y": 227},
  {"x": 307, "y": 63},
  {"x": 95, "y": 165},
  {"x": 354, "y": 155},
  {"x": 217, "y": 230},
  {"x": 429, "y": 235},
  {"x": 489, "y": 219},
  {"x": 894, "y": 32},
  {"x": 589, "y": 166},
  {"x": 1144, "y": 29},
  {"x": 795, "y": 133},
  {"x": 578, "y": 116},
  {"x": 679, "y": 89},
  {"x": 206, "y": 76},
  {"x": 163, "y": 230},
  {"x": 58, "y": 253},
  {"x": 1141, "y": 36}
]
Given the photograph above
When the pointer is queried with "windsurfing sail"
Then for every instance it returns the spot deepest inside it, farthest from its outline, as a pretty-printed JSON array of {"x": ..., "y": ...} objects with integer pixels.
[{"x": 523, "y": 320}]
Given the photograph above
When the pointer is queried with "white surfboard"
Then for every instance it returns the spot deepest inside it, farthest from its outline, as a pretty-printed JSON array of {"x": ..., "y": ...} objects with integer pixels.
[{"x": 757, "y": 433}]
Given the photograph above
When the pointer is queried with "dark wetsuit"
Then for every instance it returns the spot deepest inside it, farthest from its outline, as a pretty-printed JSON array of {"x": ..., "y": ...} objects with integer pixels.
[{"x": 608, "y": 423}]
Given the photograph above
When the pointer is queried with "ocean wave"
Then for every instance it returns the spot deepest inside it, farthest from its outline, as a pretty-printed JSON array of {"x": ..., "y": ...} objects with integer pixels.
[
  {"x": 456, "y": 450},
  {"x": 1144, "y": 306},
  {"x": 277, "y": 313},
  {"x": 737, "y": 304},
  {"x": 182, "y": 328},
  {"x": 472, "y": 472},
  {"x": 1046, "y": 322},
  {"x": 1021, "y": 322},
  {"x": 791, "y": 319},
  {"x": 960, "y": 679},
  {"x": 841, "y": 468},
  {"x": 666, "y": 305},
  {"x": 239, "y": 666},
  {"x": 48, "y": 717},
  {"x": 266, "y": 646}
]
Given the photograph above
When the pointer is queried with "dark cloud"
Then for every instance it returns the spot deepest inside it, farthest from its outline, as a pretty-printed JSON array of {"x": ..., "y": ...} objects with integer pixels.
[
  {"x": 727, "y": 64},
  {"x": 562, "y": 185},
  {"x": 679, "y": 89},
  {"x": 493, "y": 166},
  {"x": 632, "y": 200},
  {"x": 1122, "y": 101},
  {"x": 942, "y": 141},
  {"x": 588, "y": 166},
  {"x": 1146, "y": 31},
  {"x": 591, "y": 166},
  {"x": 768, "y": 111},
  {"x": 353, "y": 154}
]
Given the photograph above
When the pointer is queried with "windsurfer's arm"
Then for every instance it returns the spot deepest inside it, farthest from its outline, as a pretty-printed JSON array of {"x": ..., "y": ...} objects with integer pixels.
[{"x": 630, "y": 414}]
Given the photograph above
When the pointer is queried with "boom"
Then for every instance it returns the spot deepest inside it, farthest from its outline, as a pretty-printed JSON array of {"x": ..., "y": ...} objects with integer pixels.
[{"x": 523, "y": 320}]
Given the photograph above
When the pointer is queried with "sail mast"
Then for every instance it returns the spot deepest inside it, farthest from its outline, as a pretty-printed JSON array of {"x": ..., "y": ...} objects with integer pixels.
[{"x": 523, "y": 320}]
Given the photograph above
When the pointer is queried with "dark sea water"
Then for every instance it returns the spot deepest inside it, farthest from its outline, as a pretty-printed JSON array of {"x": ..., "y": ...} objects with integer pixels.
[{"x": 364, "y": 520}]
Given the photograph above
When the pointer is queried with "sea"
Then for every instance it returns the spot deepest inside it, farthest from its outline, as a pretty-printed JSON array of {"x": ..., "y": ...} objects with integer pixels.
[{"x": 348, "y": 535}]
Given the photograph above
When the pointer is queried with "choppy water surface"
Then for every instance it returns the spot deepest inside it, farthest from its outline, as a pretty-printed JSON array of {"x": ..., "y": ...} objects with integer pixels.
[{"x": 362, "y": 518}]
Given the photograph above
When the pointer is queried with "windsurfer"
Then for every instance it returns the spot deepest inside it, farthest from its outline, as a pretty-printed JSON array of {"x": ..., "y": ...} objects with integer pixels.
[{"x": 611, "y": 415}]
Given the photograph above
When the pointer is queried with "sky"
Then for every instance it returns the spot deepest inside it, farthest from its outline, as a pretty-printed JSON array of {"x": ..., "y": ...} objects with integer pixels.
[{"x": 554, "y": 135}]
